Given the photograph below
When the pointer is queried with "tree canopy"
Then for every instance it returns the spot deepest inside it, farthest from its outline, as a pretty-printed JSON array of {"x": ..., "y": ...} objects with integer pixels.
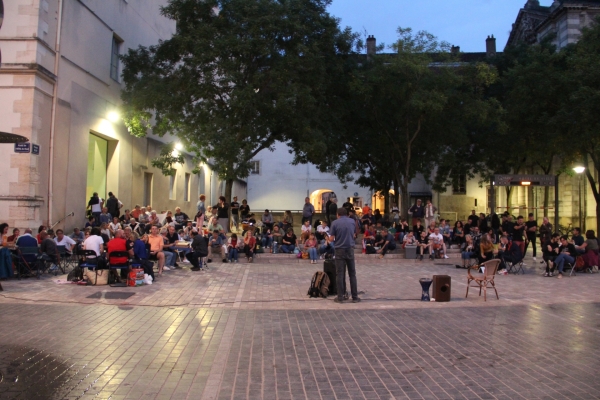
[{"x": 236, "y": 77}]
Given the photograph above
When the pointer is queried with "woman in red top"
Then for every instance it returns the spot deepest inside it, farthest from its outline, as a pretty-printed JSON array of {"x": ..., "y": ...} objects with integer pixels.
[
  {"x": 40, "y": 229},
  {"x": 311, "y": 247},
  {"x": 249, "y": 245}
]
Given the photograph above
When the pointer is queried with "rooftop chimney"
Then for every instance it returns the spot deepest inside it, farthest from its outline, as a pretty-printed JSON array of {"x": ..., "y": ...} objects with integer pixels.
[
  {"x": 455, "y": 50},
  {"x": 490, "y": 46},
  {"x": 371, "y": 45}
]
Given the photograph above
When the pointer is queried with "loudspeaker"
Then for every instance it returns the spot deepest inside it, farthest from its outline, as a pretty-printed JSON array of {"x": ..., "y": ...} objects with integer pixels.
[
  {"x": 441, "y": 288},
  {"x": 330, "y": 270}
]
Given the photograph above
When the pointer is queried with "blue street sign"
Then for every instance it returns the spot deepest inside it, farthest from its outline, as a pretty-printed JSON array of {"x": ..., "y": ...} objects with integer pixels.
[
  {"x": 35, "y": 149},
  {"x": 22, "y": 147}
]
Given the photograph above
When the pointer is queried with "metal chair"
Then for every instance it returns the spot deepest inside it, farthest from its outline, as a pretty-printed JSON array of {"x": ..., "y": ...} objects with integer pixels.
[
  {"x": 484, "y": 280},
  {"x": 514, "y": 267},
  {"x": 26, "y": 258},
  {"x": 90, "y": 260}
]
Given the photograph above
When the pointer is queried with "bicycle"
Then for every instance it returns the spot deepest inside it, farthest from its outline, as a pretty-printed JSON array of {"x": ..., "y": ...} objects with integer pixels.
[{"x": 565, "y": 230}]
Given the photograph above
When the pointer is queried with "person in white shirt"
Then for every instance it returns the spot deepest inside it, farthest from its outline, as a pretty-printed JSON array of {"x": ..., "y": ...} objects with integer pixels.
[
  {"x": 114, "y": 226},
  {"x": 322, "y": 232},
  {"x": 94, "y": 242},
  {"x": 62, "y": 240},
  {"x": 306, "y": 230},
  {"x": 410, "y": 239},
  {"x": 437, "y": 243}
]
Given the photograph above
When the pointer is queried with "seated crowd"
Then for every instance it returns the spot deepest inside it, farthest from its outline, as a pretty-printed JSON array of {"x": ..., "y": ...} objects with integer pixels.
[{"x": 148, "y": 237}]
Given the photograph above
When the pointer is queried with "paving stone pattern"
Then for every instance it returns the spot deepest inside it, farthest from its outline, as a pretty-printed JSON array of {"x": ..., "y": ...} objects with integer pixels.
[
  {"x": 248, "y": 331},
  {"x": 150, "y": 352}
]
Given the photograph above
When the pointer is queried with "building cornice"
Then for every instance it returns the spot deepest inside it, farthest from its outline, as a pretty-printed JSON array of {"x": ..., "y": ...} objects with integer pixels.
[{"x": 28, "y": 69}]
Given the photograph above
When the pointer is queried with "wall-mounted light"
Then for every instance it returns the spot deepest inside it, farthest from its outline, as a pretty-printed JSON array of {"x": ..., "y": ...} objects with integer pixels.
[
  {"x": 113, "y": 116},
  {"x": 579, "y": 169},
  {"x": 525, "y": 183}
]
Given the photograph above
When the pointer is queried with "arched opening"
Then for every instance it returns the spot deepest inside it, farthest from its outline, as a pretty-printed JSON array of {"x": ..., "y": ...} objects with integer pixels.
[{"x": 319, "y": 198}]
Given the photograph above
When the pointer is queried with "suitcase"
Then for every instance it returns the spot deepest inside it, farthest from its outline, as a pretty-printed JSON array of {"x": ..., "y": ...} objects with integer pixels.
[{"x": 329, "y": 269}]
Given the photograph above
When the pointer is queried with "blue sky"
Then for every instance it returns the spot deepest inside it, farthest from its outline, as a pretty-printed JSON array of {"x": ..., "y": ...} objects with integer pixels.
[{"x": 464, "y": 23}]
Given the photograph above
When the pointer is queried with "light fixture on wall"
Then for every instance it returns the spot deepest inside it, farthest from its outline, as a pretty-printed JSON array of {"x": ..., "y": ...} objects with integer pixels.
[
  {"x": 113, "y": 116},
  {"x": 579, "y": 170}
]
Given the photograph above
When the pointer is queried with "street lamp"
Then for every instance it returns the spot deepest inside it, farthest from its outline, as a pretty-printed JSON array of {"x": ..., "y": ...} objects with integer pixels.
[{"x": 579, "y": 170}]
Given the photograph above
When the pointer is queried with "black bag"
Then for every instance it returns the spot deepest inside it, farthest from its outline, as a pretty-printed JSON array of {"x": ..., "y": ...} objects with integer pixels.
[
  {"x": 330, "y": 270},
  {"x": 319, "y": 285},
  {"x": 370, "y": 249}
]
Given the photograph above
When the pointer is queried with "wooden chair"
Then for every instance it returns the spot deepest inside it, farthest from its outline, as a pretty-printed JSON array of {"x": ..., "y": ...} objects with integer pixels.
[{"x": 485, "y": 280}]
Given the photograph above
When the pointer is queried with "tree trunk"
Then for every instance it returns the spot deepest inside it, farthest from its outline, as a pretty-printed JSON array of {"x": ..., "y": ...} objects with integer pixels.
[
  {"x": 546, "y": 200},
  {"x": 228, "y": 192},
  {"x": 405, "y": 200},
  {"x": 508, "y": 198},
  {"x": 397, "y": 194}
]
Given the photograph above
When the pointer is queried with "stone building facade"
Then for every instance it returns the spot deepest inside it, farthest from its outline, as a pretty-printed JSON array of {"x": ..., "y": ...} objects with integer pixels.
[{"x": 60, "y": 87}]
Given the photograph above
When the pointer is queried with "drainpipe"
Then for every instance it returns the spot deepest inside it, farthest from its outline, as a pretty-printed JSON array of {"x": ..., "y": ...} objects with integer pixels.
[{"x": 54, "y": 104}]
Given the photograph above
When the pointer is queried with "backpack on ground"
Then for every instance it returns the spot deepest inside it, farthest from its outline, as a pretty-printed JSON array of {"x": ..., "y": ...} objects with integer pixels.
[
  {"x": 370, "y": 249},
  {"x": 319, "y": 285}
]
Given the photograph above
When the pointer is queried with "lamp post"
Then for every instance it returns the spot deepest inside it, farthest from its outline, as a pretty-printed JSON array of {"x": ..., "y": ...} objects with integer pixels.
[{"x": 579, "y": 170}]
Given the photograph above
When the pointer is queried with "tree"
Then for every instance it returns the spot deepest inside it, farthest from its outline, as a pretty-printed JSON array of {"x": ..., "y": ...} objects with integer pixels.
[
  {"x": 581, "y": 116},
  {"x": 236, "y": 77},
  {"x": 405, "y": 113}
]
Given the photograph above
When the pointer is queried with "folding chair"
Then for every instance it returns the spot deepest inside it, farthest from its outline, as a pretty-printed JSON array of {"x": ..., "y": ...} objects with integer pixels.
[
  {"x": 26, "y": 259},
  {"x": 514, "y": 267},
  {"x": 574, "y": 270},
  {"x": 90, "y": 260},
  {"x": 113, "y": 264}
]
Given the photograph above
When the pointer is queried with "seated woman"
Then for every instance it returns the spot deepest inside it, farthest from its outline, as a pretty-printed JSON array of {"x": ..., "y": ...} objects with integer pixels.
[
  {"x": 267, "y": 238},
  {"x": 418, "y": 228},
  {"x": 431, "y": 228},
  {"x": 486, "y": 249},
  {"x": 168, "y": 219},
  {"x": 322, "y": 231},
  {"x": 467, "y": 251},
  {"x": 402, "y": 229},
  {"x": 306, "y": 231},
  {"x": 459, "y": 233},
  {"x": 310, "y": 246},
  {"x": 249, "y": 245},
  {"x": 232, "y": 248},
  {"x": 288, "y": 242},
  {"x": 409, "y": 239},
  {"x": 105, "y": 232},
  {"x": 590, "y": 257}
]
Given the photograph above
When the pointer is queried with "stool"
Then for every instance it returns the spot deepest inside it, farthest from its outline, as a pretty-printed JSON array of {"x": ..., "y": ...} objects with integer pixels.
[{"x": 425, "y": 284}]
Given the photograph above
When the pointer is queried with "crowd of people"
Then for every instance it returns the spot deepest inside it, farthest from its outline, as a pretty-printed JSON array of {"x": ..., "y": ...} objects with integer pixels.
[{"x": 168, "y": 236}]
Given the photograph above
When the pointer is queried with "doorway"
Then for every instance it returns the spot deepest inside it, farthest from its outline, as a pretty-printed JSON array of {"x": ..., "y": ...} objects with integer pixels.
[
  {"x": 96, "y": 168},
  {"x": 148, "y": 176}
]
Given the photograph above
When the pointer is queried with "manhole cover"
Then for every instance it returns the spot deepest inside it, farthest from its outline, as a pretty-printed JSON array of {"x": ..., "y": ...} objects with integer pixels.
[
  {"x": 111, "y": 295},
  {"x": 118, "y": 295}
]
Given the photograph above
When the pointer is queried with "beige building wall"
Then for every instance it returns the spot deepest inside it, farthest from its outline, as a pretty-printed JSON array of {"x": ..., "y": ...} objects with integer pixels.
[{"x": 56, "y": 89}]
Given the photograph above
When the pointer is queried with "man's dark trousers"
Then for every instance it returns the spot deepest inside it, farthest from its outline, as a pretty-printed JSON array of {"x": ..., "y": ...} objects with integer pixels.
[{"x": 344, "y": 258}]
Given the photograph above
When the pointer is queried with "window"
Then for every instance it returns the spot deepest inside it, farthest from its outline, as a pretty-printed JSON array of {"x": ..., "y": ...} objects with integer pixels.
[
  {"x": 172, "y": 187},
  {"x": 186, "y": 187},
  {"x": 114, "y": 58},
  {"x": 459, "y": 184},
  {"x": 254, "y": 167}
]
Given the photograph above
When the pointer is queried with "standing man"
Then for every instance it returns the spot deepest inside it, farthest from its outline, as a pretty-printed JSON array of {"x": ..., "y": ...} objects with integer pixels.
[
  {"x": 114, "y": 205},
  {"x": 96, "y": 204},
  {"x": 473, "y": 219},
  {"x": 417, "y": 211},
  {"x": 342, "y": 232},
  {"x": 327, "y": 210},
  {"x": 430, "y": 211},
  {"x": 530, "y": 231},
  {"x": 307, "y": 211},
  {"x": 519, "y": 234},
  {"x": 235, "y": 212}
]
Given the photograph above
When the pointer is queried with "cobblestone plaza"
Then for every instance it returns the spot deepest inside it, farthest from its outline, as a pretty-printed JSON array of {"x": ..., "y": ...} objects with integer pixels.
[{"x": 249, "y": 331}]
